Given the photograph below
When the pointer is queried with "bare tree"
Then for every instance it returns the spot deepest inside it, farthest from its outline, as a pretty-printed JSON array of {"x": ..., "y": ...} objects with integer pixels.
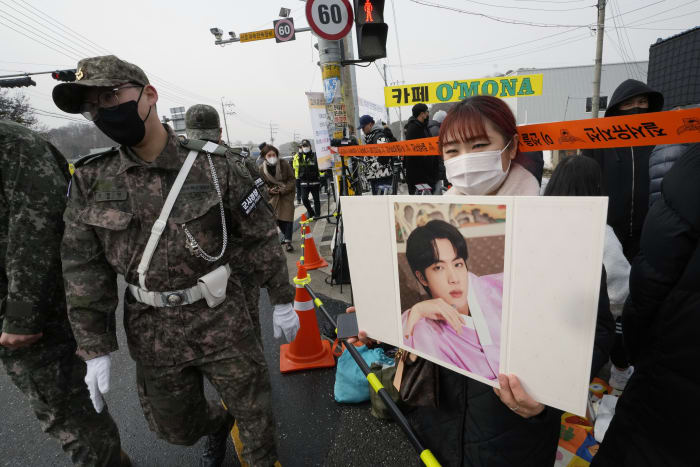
[
  {"x": 78, "y": 139},
  {"x": 16, "y": 108}
]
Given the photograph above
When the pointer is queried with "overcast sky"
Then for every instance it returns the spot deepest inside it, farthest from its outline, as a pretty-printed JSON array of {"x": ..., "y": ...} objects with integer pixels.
[{"x": 266, "y": 81}]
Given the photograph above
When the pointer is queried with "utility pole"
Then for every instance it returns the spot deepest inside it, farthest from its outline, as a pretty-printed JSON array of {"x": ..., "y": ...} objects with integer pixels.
[
  {"x": 223, "y": 111},
  {"x": 273, "y": 131},
  {"x": 349, "y": 83},
  {"x": 595, "y": 100},
  {"x": 388, "y": 116},
  {"x": 329, "y": 53}
]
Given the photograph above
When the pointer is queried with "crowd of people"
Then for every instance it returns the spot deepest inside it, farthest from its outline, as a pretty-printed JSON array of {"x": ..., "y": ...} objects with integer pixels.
[{"x": 195, "y": 238}]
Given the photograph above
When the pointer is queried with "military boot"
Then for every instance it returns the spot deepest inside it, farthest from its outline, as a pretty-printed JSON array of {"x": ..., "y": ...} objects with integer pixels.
[{"x": 215, "y": 445}]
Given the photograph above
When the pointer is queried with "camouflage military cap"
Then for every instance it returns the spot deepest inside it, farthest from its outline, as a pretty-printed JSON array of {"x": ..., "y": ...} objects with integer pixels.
[
  {"x": 202, "y": 122},
  {"x": 104, "y": 71}
]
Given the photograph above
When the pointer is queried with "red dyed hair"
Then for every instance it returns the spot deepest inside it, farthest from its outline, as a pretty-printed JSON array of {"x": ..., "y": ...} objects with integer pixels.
[{"x": 465, "y": 120}]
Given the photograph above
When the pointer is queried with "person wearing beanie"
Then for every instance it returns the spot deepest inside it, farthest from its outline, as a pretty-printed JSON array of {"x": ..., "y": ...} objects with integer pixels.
[
  {"x": 420, "y": 169},
  {"x": 378, "y": 171}
]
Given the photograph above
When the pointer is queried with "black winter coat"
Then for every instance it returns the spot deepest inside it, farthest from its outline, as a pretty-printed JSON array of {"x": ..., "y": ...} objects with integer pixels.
[
  {"x": 660, "y": 162},
  {"x": 473, "y": 428},
  {"x": 626, "y": 173},
  {"x": 420, "y": 169},
  {"x": 655, "y": 417},
  {"x": 308, "y": 169}
]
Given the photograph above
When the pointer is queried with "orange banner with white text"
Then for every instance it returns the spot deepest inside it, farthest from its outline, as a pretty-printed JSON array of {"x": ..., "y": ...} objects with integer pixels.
[{"x": 670, "y": 127}]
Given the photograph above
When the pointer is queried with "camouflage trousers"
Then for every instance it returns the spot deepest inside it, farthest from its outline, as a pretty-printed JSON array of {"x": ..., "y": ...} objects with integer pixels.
[
  {"x": 176, "y": 409},
  {"x": 53, "y": 380},
  {"x": 252, "y": 300}
]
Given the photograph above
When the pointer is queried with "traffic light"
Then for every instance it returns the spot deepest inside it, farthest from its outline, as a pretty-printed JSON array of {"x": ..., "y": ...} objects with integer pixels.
[
  {"x": 17, "y": 82},
  {"x": 63, "y": 75},
  {"x": 371, "y": 29}
]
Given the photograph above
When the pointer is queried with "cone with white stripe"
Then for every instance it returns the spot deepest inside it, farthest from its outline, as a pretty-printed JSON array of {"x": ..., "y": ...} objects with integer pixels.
[
  {"x": 308, "y": 350},
  {"x": 309, "y": 253}
]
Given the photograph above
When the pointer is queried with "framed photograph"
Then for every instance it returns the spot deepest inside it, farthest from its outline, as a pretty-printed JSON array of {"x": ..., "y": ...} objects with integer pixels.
[{"x": 450, "y": 271}]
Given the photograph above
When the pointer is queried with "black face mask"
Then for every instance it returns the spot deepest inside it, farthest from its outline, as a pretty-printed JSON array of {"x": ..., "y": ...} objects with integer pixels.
[
  {"x": 123, "y": 123},
  {"x": 633, "y": 111}
]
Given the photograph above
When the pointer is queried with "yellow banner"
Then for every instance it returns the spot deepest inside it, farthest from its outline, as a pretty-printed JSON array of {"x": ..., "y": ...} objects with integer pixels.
[
  {"x": 455, "y": 91},
  {"x": 257, "y": 35}
]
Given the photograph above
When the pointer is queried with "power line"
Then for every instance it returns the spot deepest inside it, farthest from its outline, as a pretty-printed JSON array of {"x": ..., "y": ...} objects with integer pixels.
[
  {"x": 34, "y": 20},
  {"x": 168, "y": 90},
  {"x": 36, "y": 40},
  {"x": 63, "y": 26},
  {"x": 548, "y": 1},
  {"x": 398, "y": 43},
  {"x": 621, "y": 49},
  {"x": 495, "y": 18},
  {"x": 37, "y": 64},
  {"x": 672, "y": 17},
  {"x": 29, "y": 28},
  {"x": 436, "y": 62},
  {"x": 528, "y": 8},
  {"x": 450, "y": 61}
]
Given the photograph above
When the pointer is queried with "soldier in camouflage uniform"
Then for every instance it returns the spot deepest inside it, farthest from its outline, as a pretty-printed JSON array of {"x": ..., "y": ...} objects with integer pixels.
[
  {"x": 202, "y": 122},
  {"x": 175, "y": 337},
  {"x": 37, "y": 347}
]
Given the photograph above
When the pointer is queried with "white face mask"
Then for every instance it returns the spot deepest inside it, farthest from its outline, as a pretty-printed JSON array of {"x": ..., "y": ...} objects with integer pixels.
[
  {"x": 306, "y": 150},
  {"x": 271, "y": 160},
  {"x": 477, "y": 173}
]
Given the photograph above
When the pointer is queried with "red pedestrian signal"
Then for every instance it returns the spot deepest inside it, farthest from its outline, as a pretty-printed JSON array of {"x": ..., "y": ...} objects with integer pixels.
[
  {"x": 369, "y": 8},
  {"x": 371, "y": 29}
]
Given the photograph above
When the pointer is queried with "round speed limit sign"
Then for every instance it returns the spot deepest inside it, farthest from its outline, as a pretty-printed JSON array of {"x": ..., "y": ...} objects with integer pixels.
[
  {"x": 284, "y": 29},
  {"x": 329, "y": 19}
]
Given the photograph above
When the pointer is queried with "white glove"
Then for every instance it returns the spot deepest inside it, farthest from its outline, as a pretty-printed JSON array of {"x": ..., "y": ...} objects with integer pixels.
[
  {"x": 97, "y": 380},
  {"x": 285, "y": 319}
]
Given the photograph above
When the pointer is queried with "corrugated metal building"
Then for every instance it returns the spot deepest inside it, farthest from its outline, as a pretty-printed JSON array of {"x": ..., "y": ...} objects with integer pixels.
[{"x": 567, "y": 91}]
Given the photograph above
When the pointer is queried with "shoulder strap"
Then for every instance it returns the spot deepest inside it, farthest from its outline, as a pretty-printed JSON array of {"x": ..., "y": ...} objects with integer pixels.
[
  {"x": 199, "y": 145},
  {"x": 159, "y": 225},
  {"x": 95, "y": 155}
]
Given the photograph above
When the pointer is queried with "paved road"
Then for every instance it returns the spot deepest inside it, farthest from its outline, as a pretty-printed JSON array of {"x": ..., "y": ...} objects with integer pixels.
[{"x": 312, "y": 428}]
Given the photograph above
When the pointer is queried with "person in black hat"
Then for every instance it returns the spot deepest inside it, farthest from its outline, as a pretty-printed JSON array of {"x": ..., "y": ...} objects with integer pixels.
[
  {"x": 420, "y": 169},
  {"x": 379, "y": 168},
  {"x": 309, "y": 179}
]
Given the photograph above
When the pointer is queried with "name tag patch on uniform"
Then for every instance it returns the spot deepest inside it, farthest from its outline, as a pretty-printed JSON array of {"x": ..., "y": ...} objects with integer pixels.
[
  {"x": 110, "y": 195},
  {"x": 250, "y": 201},
  {"x": 259, "y": 182},
  {"x": 196, "y": 188}
]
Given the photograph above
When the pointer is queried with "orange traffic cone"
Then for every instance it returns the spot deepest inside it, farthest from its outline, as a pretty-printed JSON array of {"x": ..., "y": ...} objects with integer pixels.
[
  {"x": 307, "y": 351},
  {"x": 309, "y": 253}
]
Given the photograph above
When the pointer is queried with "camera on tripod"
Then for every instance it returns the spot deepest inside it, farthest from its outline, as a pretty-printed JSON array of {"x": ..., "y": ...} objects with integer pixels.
[{"x": 336, "y": 142}]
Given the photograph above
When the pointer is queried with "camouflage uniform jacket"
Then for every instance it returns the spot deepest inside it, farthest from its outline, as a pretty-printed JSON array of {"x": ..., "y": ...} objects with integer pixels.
[
  {"x": 114, "y": 201},
  {"x": 34, "y": 177}
]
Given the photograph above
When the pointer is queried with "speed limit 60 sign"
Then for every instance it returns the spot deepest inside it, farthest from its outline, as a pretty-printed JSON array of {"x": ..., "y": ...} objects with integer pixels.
[
  {"x": 329, "y": 19},
  {"x": 284, "y": 29}
]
